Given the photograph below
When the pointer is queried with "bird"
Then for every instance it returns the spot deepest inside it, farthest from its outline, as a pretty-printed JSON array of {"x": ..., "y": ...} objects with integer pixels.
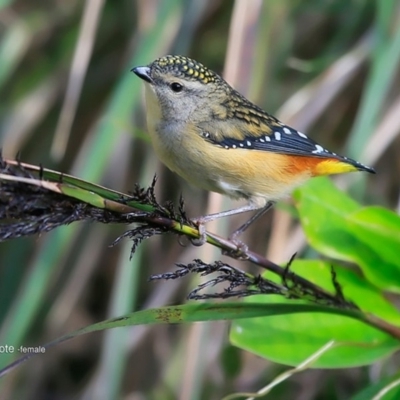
[{"x": 212, "y": 136}]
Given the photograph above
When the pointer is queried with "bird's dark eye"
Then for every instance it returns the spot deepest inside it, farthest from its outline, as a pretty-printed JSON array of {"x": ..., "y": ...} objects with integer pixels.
[{"x": 176, "y": 87}]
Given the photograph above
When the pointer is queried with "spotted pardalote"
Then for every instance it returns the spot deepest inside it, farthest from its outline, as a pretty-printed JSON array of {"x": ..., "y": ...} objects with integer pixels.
[{"x": 212, "y": 136}]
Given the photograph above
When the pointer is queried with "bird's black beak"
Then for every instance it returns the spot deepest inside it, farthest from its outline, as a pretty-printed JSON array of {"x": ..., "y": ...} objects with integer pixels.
[{"x": 143, "y": 73}]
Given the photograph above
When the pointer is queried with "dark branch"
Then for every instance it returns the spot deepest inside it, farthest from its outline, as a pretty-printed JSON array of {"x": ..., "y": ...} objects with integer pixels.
[{"x": 241, "y": 284}]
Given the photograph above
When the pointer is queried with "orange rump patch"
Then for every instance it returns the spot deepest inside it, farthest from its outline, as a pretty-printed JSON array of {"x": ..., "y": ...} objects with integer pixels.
[{"x": 318, "y": 166}]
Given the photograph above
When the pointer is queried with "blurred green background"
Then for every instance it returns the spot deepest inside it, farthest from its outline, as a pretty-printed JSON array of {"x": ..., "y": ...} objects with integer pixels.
[{"x": 68, "y": 101}]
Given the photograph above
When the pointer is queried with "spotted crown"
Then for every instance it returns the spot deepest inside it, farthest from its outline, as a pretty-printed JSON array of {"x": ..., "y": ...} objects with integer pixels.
[{"x": 185, "y": 67}]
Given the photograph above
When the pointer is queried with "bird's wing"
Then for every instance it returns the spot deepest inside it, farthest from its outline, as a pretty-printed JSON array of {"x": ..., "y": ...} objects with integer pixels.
[{"x": 271, "y": 135}]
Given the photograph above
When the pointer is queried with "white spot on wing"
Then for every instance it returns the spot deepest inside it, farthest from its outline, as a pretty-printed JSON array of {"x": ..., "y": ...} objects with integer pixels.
[
  {"x": 267, "y": 138},
  {"x": 241, "y": 144},
  {"x": 278, "y": 135},
  {"x": 287, "y": 130},
  {"x": 248, "y": 143},
  {"x": 234, "y": 146},
  {"x": 318, "y": 149},
  {"x": 262, "y": 140},
  {"x": 302, "y": 135}
]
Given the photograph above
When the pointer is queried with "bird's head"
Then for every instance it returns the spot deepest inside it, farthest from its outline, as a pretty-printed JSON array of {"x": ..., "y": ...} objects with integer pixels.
[{"x": 180, "y": 86}]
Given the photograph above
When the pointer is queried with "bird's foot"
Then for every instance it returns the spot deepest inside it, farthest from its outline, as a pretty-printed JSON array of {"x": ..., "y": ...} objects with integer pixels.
[
  {"x": 202, "y": 239},
  {"x": 240, "y": 253}
]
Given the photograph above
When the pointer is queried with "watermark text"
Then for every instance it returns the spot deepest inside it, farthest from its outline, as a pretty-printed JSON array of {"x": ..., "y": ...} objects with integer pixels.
[{"x": 8, "y": 349}]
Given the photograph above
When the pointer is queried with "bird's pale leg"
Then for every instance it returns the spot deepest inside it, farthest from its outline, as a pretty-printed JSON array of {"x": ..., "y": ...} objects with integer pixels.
[
  {"x": 257, "y": 215},
  {"x": 211, "y": 217},
  {"x": 241, "y": 245}
]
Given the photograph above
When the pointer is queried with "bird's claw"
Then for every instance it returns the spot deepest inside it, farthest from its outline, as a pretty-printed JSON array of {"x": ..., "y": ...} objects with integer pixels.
[
  {"x": 240, "y": 253},
  {"x": 202, "y": 234}
]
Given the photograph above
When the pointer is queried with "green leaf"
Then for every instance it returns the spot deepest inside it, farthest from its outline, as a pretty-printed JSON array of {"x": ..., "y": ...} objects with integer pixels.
[
  {"x": 337, "y": 227},
  {"x": 192, "y": 313},
  {"x": 322, "y": 210},
  {"x": 392, "y": 393},
  {"x": 379, "y": 231},
  {"x": 290, "y": 339}
]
